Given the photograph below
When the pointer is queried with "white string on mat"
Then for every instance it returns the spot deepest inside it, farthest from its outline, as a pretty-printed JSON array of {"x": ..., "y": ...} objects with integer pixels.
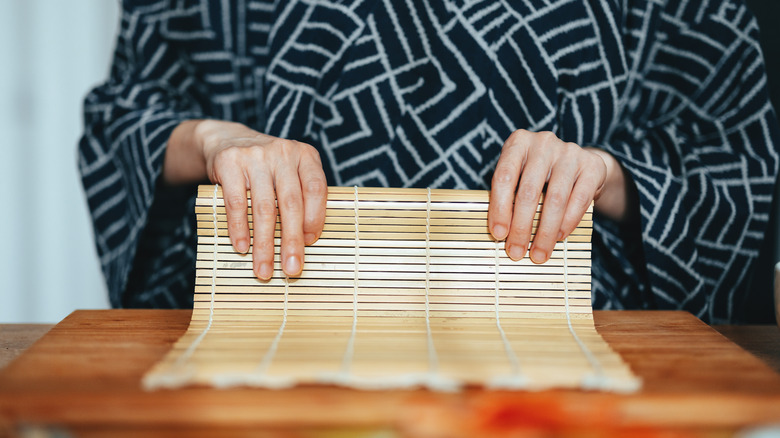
[
  {"x": 597, "y": 380},
  {"x": 346, "y": 363},
  {"x": 260, "y": 375},
  {"x": 180, "y": 377},
  {"x": 191, "y": 350},
  {"x": 515, "y": 379},
  {"x": 431, "y": 378},
  {"x": 433, "y": 360},
  {"x": 265, "y": 363}
]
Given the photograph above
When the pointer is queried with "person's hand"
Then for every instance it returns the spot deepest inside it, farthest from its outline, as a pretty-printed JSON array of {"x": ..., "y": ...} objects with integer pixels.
[
  {"x": 574, "y": 177},
  {"x": 277, "y": 172}
]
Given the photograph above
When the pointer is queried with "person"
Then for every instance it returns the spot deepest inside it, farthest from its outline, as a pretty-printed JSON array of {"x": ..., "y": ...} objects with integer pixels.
[{"x": 656, "y": 111}]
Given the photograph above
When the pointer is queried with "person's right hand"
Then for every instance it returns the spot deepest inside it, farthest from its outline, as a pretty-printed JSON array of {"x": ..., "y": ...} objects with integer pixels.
[{"x": 277, "y": 172}]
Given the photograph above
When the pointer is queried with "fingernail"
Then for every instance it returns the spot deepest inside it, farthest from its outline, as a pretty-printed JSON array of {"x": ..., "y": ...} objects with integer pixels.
[
  {"x": 516, "y": 252},
  {"x": 560, "y": 235},
  {"x": 242, "y": 246},
  {"x": 293, "y": 266},
  {"x": 266, "y": 271},
  {"x": 499, "y": 232},
  {"x": 538, "y": 256},
  {"x": 309, "y": 238}
]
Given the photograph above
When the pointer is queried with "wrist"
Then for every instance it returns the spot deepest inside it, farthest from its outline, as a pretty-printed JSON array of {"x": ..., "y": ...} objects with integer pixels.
[
  {"x": 205, "y": 132},
  {"x": 184, "y": 159},
  {"x": 613, "y": 200},
  {"x": 614, "y": 176}
]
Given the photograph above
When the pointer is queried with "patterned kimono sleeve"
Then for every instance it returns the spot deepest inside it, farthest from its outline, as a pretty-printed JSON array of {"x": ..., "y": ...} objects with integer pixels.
[
  {"x": 127, "y": 123},
  {"x": 700, "y": 142}
]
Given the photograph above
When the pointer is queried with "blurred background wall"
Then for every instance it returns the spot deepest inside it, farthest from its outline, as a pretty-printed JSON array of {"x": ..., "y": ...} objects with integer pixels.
[{"x": 52, "y": 53}]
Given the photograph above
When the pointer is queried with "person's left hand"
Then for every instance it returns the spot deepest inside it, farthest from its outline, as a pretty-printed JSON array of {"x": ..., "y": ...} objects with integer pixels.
[{"x": 574, "y": 177}]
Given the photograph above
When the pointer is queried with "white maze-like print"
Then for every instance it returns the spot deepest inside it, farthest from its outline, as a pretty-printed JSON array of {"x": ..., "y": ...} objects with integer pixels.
[{"x": 423, "y": 93}]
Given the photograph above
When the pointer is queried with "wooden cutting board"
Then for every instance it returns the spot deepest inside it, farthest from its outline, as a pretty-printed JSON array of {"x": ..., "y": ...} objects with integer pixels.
[{"x": 85, "y": 375}]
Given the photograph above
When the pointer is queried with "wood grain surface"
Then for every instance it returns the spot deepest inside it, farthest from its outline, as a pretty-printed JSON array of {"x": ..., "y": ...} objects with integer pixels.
[
  {"x": 15, "y": 338},
  {"x": 761, "y": 340},
  {"x": 85, "y": 375}
]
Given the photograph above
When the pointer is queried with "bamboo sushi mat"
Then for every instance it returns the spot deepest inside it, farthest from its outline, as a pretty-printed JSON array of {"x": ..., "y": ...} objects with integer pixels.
[{"x": 405, "y": 288}]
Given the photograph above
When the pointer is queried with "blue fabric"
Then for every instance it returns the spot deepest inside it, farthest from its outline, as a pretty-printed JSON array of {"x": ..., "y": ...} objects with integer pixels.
[{"x": 423, "y": 93}]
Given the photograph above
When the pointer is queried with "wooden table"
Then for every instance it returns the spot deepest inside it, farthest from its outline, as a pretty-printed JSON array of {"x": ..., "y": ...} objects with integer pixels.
[{"x": 83, "y": 377}]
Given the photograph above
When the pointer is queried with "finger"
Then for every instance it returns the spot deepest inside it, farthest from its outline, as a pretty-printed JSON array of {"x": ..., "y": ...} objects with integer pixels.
[
  {"x": 555, "y": 201},
  {"x": 315, "y": 196},
  {"x": 290, "y": 203},
  {"x": 263, "y": 223},
  {"x": 582, "y": 195},
  {"x": 504, "y": 185},
  {"x": 234, "y": 187},
  {"x": 526, "y": 203}
]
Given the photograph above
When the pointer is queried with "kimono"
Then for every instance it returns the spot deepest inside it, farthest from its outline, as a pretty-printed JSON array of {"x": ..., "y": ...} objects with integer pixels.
[{"x": 423, "y": 93}]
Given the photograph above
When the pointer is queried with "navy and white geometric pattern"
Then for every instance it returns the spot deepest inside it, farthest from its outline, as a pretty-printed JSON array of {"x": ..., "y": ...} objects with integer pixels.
[{"x": 423, "y": 93}]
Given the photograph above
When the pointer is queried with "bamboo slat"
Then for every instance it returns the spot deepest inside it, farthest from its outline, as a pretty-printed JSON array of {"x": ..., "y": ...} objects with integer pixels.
[{"x": 404, "y": 288}]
